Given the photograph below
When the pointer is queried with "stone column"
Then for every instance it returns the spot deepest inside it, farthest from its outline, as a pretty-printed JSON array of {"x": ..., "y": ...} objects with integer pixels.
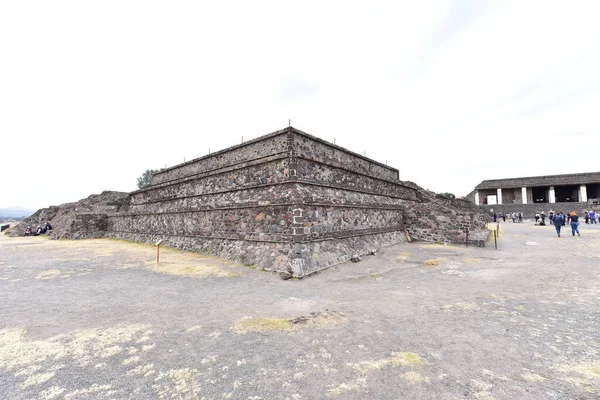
[
  {"x": 477, "y": 197},
  {"x": 524, "y": 194},
  {"x": 583, "y": 193},
  {"x": 499, "y": 195},
  {"x": 551, "y": 196}
]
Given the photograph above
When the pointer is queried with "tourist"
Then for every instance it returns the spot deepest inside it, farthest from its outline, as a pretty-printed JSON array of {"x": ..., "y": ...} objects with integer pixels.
[
  {"x": 520, "y": 217},
  {"x": 28, "y": 231},
  {"x": 543, "y": 217},
  {"x": 495, "y": 217},
  {"x": 537, "y": 218},
  {"x": 587, "y": 217},
  {"x": 558, "y": 223},
  {"x": 593, "y": 217},
  {"x": 504, "y": 217},
  {"x": 574, "y": 220}
]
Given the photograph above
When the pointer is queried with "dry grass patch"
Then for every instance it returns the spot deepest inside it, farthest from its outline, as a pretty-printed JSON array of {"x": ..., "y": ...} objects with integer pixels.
[
  {"x": 246, "y": 325},
  {"x": 397, "y": 359},
  {"x": 360, "y": 383},
  {"x": 36, "y": 361},
  {"x": 585, "y": 374},
  {"x": 441, "y": 246},
  {"x": 364, "y": 367},
  {"x": 49, "y": 274},
  {"x": 434, "y": 262},
  {"x": 413, "y": 378},
  {"x": 199, "y": 270},
  {"x": 315, "y": 320},
  {"x": 134, "y": 255},
  {"x": 534, "y": 378},
  {"x": 464, "y": 306}
]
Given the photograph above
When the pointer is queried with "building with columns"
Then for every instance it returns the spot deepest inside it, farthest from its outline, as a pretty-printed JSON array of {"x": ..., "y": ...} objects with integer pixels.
[{"x": 569, "y": 192}]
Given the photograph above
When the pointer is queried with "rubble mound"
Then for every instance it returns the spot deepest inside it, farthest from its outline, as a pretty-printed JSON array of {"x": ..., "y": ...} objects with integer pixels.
[{"x": 84, "y": 219}]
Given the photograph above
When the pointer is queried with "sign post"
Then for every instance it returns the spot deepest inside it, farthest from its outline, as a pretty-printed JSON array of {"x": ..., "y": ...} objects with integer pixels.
[{"x": 157, "y": 244}]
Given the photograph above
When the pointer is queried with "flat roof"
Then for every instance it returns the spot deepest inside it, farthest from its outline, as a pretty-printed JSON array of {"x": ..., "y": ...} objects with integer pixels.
[{"x": 546, "y": 180}]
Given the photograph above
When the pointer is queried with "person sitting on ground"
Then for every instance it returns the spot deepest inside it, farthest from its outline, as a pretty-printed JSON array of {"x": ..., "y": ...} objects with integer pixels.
[
  {"x": 38, "y": 231},
  {"x": 28, "y": 231},
  {"x": 48, "y": 226},
  {"x": 574, "y": 221}
]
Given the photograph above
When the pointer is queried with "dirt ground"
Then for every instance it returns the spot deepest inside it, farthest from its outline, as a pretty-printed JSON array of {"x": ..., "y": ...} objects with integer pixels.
[{"x": 99, "y": 319}]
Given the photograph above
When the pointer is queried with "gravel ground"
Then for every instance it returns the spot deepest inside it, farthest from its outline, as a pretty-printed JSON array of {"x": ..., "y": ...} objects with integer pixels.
[{"x": 99, "y": 319}]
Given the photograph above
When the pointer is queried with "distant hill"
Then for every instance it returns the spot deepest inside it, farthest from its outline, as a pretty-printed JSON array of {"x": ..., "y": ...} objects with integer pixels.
[{"x": 15, "y": 212}]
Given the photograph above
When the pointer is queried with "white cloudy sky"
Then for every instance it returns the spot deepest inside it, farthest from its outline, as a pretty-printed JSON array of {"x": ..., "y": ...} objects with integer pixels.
[{"x": 449, "y": 92}]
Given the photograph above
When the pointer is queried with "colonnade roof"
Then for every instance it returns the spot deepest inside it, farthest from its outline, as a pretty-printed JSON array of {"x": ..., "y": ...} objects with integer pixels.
[{"x": 546, "y": 180}]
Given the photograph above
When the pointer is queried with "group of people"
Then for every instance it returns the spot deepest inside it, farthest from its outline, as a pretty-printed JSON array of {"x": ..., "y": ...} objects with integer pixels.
[
  {"x": 39, "y": 231},
  {"x": 556, "y": 218},
  {"x": 516, "y": 217},
  {"x": 590, "y": 217},
  {"x": 560, "y": 219}
]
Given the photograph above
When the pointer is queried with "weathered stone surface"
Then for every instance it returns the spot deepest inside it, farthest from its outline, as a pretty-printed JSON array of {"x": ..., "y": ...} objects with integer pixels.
[
  {"x": 286, "y": 202},
  {"x": 84, "y": 219}
]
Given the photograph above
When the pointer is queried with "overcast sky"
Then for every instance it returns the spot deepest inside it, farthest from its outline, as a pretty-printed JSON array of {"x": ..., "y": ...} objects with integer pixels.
[{"x": 449, "y": 92}]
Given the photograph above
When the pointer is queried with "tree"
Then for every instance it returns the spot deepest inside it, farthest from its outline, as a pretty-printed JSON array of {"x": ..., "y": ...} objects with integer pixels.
[
  {"x": 145, "y": 179},
  {"x": 446, "y": 195}
]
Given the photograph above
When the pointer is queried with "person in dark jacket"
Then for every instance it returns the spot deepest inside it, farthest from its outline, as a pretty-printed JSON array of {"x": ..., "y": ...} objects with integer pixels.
[
  {"x": 543, "y": 217},
  {"x": 558, "y": 222},
  {"x": 574, "y": 221}
]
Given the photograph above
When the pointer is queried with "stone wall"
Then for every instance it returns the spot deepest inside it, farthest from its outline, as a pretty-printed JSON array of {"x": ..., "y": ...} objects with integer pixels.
[
  {"x": 529, "y": 195},
  {"x": 309, "y": 147},
  {"x": 286, "y": 202},
  {"x": 444, "y": 221},
  {"x": 236, "y": 156},
  {"x": 509, "y": 196}
]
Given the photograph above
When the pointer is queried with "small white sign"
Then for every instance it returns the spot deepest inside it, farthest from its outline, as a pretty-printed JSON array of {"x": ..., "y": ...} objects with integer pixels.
[{"x": 158, "y": 243}]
